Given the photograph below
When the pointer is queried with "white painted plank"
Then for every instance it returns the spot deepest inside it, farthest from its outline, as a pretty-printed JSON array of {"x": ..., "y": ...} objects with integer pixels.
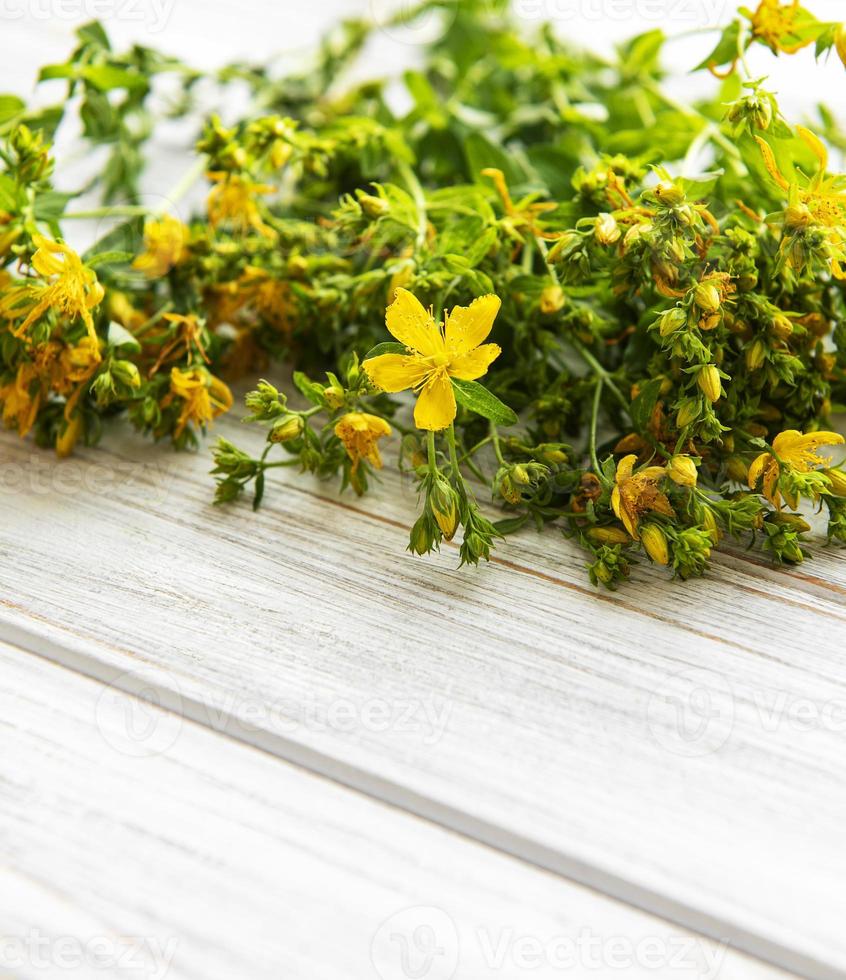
[
  {"x": 170, "y": 851},
  {"x": 539, "y": 716}
]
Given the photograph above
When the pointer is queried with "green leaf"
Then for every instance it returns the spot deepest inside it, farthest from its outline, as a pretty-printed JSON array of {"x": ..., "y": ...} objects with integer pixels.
[
  {"x": 476, "y": 398},
  {"x": 481, "y": 154},
  {"x": 109, "y": 258},
  {"x": 309, "y": 389},
  {"x": 10, "y": 106},
  {"x": 50, "y": 205},
  {"x": 94, "y": 33},
  {"x": 726, "y": 49},
  {"x": 644, "y": 404},
  {"x": 49, "y": 72},
  {"x": 107, "y": 77},
  {"x": 8, "y": 193},
  {"x": 119, "y": 337},
  {"x": 387, "y": 348}
]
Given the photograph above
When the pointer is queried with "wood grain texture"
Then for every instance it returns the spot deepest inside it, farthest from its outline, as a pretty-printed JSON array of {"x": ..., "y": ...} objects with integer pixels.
[
  {"x": 513, "y": 704},
  {"x": 174, "y": 852}
]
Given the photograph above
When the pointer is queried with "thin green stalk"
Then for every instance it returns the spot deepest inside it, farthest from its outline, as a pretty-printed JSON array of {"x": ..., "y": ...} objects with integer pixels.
[
  {"x": 414, "y": 187},
  {"x": 594, "y": 421}
]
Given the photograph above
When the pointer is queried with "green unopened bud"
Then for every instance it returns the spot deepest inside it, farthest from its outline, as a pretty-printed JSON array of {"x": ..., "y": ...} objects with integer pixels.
[
  {"x": 782, "y": 327},
  {"x": 654, "y": 542},
  {"x": 688, "y": 412},
  {"x": 127, "y": 373},
  {"x": 552, "y": 299},
  {"x": 671, "y": 321},
  {"x": 334, "y": 395},
  {"x": 520, "y": 475},
  {"x": 793, "y": 521},
  {"x": 422, "y": 538},
  {"x": 373, "y": 207},
  {"x": 288, "y": 428}
]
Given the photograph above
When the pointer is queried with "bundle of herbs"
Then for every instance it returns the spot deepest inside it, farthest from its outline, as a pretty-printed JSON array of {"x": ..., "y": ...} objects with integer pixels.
[{"x": 614, "y": 344}]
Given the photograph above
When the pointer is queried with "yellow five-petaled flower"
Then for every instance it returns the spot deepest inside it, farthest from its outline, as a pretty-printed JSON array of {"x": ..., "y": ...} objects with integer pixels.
[
  {"x": 436, "y": 353},
  {"x": 795, "y": 451}
]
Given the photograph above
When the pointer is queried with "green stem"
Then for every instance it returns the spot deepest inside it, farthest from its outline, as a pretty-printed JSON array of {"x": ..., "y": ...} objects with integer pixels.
[
  {"x": 594, "y": 420},
  {"x": 124, "y": 211},
  {"x": 413, "y": 184},
  {"x": 496, "y": 446},
  {"x": 453, "y": 454},
  {"x": 430, "y": 447}
]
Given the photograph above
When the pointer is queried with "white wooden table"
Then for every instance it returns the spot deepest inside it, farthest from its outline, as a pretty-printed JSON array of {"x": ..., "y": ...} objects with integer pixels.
[{"x": 276, "y": 746}]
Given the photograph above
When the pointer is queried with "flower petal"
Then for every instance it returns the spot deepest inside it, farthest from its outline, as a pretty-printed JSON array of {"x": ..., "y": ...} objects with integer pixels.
[
  {"x": 625, "y": 467},
  {"x": 396, "y": 372},
  {"x": 435, "y": 408},
  {"x": 474, "y": 364},
  {"x": 469, "y": 326},
  {"x": 757, "y": 468},
  {"x": 412, "y": 325}
]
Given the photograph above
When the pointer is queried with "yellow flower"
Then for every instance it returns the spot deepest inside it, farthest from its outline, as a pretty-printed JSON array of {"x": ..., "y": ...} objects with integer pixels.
[
  {"x": 20, "y": 402},
  {"x": 822, "y": 201},
  {"x": 74, "y": 290},
  {"x": 436, "y": 353},
  {"x": 233, "y": 200},
  {"x": 638, "y": 493},
  {"x": 204, "y": 397},
  {"x": 796, "y": 452},
  {"x": 840, "y": 42},
  {"x": 164, "y": 247},
  {"x": 779, "y": 25},
  {"x": 360, "y": 433}
]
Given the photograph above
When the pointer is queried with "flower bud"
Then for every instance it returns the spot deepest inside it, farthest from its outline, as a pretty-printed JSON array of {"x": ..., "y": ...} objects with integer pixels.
[
  {"x": 755, "y": 354},
  {"x": 290, "y": 427},
  {"x": 794, "y": 521},
  {"x": 127, "y": 373},
  {"x": 688, "y": 412},
  {"x": 671, "y": 321},
  {"x": 422, "y": 540},
  {"x": 609, "y": 535},
  {"x": 838, "y": 481},
  {"x": 654, "y": 543},
  {"x": 682, "y": 470},
  {"x": 334, "y": 395},
  {"x": 709, "y": 522},
  {"x": 707, "y": 297},
  {"x": 520, "y": 475},
  {"x": 606, "y": 230},
  {"x": 552, "y": 299},
  {"x": 782, "y": 327},
  {"x": 373, "y": 207},
  {"x": 709, "y": 383},
  {"x": 443, "y": 501}
]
